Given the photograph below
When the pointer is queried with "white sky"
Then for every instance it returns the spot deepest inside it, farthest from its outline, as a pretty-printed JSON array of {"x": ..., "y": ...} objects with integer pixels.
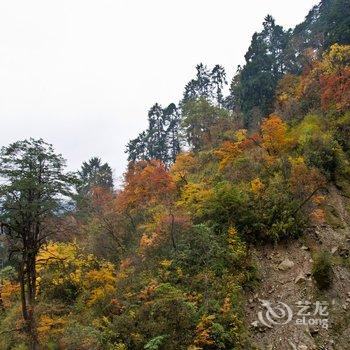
[{"x": 82, "y": 74}]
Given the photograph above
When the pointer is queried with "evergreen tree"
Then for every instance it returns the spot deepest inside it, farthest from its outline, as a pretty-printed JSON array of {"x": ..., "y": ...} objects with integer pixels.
[
  {"x": 207, "y": 84},
  {"x": 326, "y": 24},
  {"x": 137, "y": 148},
  {"x": 335, "y": 22},
  {"x": 255, "y": 85},
  {"x": 94, "y": 174},
  {"x": 218, "y": 78},
  {"x": 161, "y": 140},
  {"x": 200, "y": 121},
  {"x": 174, "y": 137},
  {"x": 200, "y": 86},
  {"x": 156, "y": 133}
]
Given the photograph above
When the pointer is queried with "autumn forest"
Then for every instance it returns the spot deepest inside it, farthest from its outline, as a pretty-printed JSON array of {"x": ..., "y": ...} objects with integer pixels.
[{"x": 240, "y": 170}]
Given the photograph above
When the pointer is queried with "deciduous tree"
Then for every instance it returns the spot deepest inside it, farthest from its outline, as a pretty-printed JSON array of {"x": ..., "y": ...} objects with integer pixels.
[{"x": 33, "y": 190}]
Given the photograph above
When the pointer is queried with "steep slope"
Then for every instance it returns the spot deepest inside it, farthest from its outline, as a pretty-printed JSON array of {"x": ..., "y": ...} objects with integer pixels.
[{"x": 292, "y": 283}]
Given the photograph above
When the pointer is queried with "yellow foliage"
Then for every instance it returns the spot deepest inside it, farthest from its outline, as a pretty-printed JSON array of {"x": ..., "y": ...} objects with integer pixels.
[
  {"x": 274, "y": 138},
  {"x": 257, "y": 186},
  {"x": 228, "y": 153},
  {"x": 241, "y": 135},
  {"x": 105, "y": 274},
  {"x": 336, "y": 58},
  {"x": 166, "y": 263},
  {"x": 307, "y": 129},
  {"x": 9, "y": 293},
  {"x": 100, "y": 293},
  {"x": 99, "y": 282},
  {"x": 227, "y": 305},
  {"x": 184, "y": 164},
  {"x": 54, "y": 252},
  {"x": 64, "y": 255},
  {"x": 235, "y": 243},
  {"x": 287, "y": 88},
  {"x": 194, "y": 196},
  {"x": 179, "y": 272},
  {"x": 48, "y": 325},
  {"x": 232, "y": 234},
  {"x": 297, "y": 161}
]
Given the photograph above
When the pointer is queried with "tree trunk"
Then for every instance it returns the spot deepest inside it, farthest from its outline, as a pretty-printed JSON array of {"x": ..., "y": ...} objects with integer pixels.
[
  {"x": 31, "y": 274},
  {"x": 2, "y": 306},
  {"x": 27, "y": 277},
  {"x": 23, "y": 293},
  {"x": 172, "y": 235}
]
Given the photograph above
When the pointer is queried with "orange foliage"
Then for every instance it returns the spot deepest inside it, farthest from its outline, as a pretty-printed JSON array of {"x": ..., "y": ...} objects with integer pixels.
[
  {"x": 103, "y": 200},
  {"x": 157, "y": 231},
  {"x": 304, "y": 181},
  {"x": 274, "y": 139},
  {"x": 115, "y": 307},
  {"x": 101, "y": 196},
  {"x": 203, "y": 331},
  {"x": 147, "y": 240},
  {"x": 126, "y": 263},
  {"x": 147, "y": 183},
  {"x": 148, "y": 291},
  {"x": 232, "y": 150},
  {"x": 318, "y": 200}
]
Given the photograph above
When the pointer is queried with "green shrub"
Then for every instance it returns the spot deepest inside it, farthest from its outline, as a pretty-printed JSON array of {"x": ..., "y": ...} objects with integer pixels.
[
  {"x": 322, "y": 270},
  {"x": 8, "y": 273},
  {"x": 155, "y": 343}
]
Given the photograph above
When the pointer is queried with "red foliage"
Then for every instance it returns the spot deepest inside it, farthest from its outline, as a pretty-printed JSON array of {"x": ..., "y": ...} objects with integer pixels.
[{"x": 335, "y": 90}]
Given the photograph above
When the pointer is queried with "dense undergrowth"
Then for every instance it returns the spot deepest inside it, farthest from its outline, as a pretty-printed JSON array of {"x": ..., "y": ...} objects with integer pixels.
[{"x": 163, "y": 263}]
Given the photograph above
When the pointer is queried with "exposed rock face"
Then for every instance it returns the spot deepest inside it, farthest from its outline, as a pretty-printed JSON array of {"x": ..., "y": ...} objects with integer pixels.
[
  {"x": 285, "y": 277},
  {"x": 285, "y": 265},
  {"x": 300, "y": 278}
]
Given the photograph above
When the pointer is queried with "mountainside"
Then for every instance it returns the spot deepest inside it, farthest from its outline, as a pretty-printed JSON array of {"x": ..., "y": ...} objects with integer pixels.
[
  {"x": 231, "y": 229},
  {"x": 296, "y": 284}
]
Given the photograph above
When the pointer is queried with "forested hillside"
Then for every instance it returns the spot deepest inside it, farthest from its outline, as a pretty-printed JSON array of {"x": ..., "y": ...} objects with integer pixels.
[{"x": 219, "y": 189}]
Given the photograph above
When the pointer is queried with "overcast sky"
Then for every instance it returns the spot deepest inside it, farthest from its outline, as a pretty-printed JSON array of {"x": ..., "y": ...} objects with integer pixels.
[{"x": 82, "y": 74}]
